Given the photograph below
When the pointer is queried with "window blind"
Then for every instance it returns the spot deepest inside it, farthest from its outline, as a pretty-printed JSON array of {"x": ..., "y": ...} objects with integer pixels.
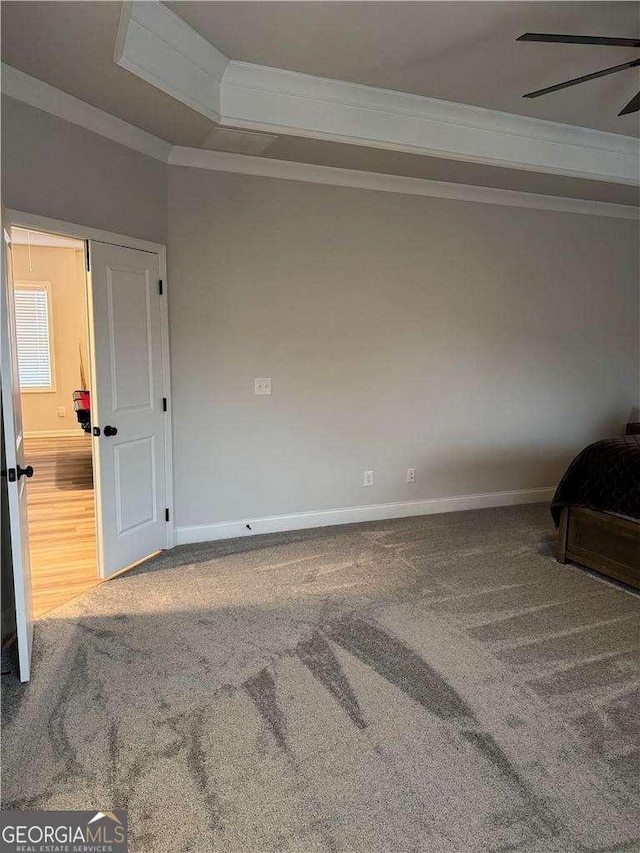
[{"x": 32, "y": 333}]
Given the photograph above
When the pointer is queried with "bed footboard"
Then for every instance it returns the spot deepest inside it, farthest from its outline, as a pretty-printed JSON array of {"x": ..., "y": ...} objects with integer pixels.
[{"x": 608, "y": 543}]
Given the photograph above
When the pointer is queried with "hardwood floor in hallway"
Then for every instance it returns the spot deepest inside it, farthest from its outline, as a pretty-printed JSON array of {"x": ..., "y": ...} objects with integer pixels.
[{"x": 62, "y": 525}]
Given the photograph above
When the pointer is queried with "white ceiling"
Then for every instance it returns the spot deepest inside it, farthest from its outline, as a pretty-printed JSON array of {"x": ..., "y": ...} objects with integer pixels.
[{"x": 458, "y": 51}]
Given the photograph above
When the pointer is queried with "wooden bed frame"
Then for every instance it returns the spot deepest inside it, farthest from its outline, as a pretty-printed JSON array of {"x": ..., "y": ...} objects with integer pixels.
[{"x": 608, "y": 543}]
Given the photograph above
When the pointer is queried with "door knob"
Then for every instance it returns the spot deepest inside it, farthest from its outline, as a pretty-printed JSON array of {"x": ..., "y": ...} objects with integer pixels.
[
  {"x": 109, "y": 431},
  {"x": 25, "y": 472}
]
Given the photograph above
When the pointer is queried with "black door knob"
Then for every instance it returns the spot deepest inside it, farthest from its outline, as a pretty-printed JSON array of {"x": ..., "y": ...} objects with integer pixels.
[
  {"x": 109, "y": 431},
  {"x": 25, "y": 472}
]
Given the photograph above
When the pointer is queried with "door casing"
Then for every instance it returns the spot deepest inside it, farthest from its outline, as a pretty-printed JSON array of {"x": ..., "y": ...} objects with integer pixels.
[{"x": 68, "y": 229}]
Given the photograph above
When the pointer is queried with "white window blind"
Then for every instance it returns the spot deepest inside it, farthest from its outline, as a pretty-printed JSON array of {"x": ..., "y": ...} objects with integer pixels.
[{"x": 32, "y": 333}]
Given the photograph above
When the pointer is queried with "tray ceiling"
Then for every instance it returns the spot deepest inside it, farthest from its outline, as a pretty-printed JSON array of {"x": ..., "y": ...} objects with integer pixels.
[
  {"x": 458, "y": 51},
  {"x": 463, "y": 52}
]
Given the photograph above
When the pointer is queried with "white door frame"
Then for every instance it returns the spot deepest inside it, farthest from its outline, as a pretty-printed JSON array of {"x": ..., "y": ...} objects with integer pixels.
[{"x": 82, "y": 232}]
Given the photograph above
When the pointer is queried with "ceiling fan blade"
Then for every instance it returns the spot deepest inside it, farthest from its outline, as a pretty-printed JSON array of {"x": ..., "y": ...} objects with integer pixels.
[
  {"x": 551, "y": 37},
  {"x": 633, "y": 64},
  {"x": 632, "y": 107}
]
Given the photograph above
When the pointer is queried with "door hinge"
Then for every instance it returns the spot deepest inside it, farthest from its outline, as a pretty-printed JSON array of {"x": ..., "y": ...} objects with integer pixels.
[
  {"x": 87, "y": 256},
  {"x": 164, "y": 404},
  {"x": 166, "y": 514},
  {"x": 160, "y": 289}
]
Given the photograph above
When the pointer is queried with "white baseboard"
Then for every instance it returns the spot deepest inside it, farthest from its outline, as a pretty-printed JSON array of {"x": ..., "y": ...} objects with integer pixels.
[
  {"x": 54, "y": 433},
  {"x": 351, "y": 515}
]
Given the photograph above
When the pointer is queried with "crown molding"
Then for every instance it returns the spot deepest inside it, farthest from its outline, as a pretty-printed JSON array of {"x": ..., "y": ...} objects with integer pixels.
[
  {"x": 285, "y": 170},
  {"x": 36, "y": 93},
  {"x": 286, "y": 102},
  {"x": 158, "y": 46},
  {"x": 42, "y": 96},
  {"x": 260, "y": 77}
]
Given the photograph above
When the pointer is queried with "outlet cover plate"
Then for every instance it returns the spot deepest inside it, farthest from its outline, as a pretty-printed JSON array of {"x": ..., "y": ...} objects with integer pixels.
[{"x": 263, "y": 385}]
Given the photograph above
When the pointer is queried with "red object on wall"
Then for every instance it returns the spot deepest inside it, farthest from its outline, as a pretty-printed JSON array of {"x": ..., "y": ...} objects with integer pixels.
[{"x": 81, "y": 400}]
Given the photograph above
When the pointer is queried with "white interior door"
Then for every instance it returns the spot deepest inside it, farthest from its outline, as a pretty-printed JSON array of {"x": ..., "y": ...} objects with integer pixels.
[
  {"x": 127, "y": 404},
  {"x": 16, "y": 470}
]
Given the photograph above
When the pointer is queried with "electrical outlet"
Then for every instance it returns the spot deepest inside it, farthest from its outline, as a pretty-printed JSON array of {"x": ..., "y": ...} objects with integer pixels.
[
  {"x": 62, "y": 411},
  {"x": 368, "y": 478},
  {"x": 411, "y": 475},
  {"x": 263, "y": 385}
]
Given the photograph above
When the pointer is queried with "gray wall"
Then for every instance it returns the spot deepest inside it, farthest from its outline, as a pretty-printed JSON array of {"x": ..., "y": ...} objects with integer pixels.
[
  {"x": 53, "y": 168},
  {"x": 483, "y": 345}
]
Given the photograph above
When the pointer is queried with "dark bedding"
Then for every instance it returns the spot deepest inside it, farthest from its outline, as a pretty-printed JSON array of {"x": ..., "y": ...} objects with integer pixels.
[{"x": 604, "y": 476}]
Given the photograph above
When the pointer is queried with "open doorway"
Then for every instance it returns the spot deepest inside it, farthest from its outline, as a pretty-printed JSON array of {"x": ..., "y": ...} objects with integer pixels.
[
  {"x": 106, "y": 505},
  {"x": 52, "y": 336}
]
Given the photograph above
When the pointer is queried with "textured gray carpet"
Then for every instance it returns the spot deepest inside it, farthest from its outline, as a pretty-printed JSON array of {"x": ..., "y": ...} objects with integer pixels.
[{"x": 437, "y": 685}]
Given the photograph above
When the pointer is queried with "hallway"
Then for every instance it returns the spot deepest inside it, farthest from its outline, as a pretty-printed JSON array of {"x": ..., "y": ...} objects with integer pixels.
[{"x": 62, "y": 526}]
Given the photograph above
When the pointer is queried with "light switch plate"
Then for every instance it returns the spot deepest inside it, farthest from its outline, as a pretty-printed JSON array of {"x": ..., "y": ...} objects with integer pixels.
[{"x": 263, "y": 385}]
